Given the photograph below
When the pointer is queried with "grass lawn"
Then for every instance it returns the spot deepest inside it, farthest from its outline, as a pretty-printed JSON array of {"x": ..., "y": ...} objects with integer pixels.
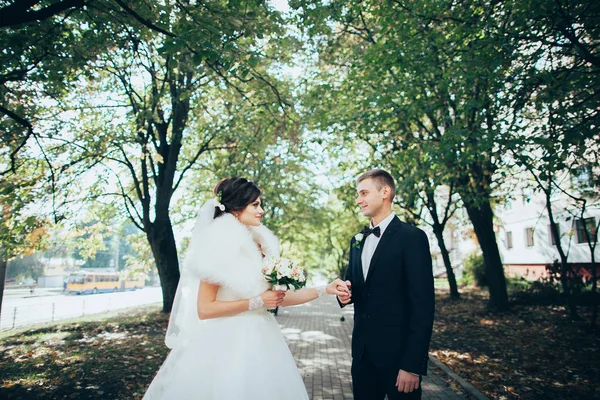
[{"x": 115, "y": 358}]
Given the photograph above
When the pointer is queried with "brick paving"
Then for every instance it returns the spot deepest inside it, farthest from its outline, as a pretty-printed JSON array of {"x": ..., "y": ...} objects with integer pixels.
[{"x": 320, "y": 342}]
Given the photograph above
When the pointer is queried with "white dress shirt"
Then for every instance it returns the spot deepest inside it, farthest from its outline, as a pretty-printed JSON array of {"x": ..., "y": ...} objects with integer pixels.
[{"x": 371, "y": 243}]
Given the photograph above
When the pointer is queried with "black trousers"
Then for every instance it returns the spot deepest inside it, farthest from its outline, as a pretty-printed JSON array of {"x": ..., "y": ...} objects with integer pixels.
[{"x": 370, "y": 382}]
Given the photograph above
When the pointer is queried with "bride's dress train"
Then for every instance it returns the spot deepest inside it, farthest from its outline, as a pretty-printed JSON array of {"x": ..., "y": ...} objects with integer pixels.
[{"x": 240, "y": 357}]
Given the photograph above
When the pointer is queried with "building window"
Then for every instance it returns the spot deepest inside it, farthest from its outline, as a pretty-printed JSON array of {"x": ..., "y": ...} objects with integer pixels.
[
  {"x": 509, "y": 244},
  {"x": 553, "y": 240},
  {"x": 529, "y": 237},
  {"x": 582, "y": 235}
]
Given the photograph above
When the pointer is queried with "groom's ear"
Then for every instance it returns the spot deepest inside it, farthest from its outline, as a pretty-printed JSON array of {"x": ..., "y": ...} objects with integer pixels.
[{"x": 386, "y": 192}]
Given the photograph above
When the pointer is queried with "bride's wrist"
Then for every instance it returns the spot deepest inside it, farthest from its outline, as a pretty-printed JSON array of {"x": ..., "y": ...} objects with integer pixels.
[
  {"x": 321, "y": 290},
  {"x": 255, "y": 302}
]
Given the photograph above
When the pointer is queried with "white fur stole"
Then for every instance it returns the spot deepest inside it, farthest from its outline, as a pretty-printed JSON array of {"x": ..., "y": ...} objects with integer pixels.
[{"x": 226, "y": 253}]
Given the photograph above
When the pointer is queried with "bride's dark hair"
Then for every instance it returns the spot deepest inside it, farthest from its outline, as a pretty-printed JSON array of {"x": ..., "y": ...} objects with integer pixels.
[{"x": 235, "y": 194}]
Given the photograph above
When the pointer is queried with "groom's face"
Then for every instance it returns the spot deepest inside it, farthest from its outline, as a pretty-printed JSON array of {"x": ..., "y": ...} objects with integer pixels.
[{"x": 369, "y": 198}]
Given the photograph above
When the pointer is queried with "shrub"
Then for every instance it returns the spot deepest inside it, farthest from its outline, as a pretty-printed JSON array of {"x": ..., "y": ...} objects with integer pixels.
[
  {"x": 474, "y": 271},
  {"x": 548, "y": 290}
]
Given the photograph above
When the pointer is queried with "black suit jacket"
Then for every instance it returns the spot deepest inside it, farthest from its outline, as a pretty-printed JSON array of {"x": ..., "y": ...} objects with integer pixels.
[{"x": 394, "y": 307}]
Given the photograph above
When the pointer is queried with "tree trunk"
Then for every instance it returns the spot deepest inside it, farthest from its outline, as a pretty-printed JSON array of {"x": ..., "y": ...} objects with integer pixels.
[
  {"x": 481, "y": 216},
  {"x": 162, "y": 241},
  {"x": 438, "y": 229},
  {"x": 594, "y": 292},
  {"x": 592, "y": 242},
  {"x": 564, "y": 266},
  {"x": 439, "y": 234},
  {"x": 3, "y": 264}
]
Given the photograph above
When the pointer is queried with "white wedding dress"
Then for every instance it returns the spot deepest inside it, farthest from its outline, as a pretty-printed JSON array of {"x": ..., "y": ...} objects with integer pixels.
[{"x": 230, "y": 358}]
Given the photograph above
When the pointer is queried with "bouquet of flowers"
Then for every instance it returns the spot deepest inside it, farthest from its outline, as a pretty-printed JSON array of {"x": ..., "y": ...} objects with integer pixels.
[{"x": 283, "y": 274}]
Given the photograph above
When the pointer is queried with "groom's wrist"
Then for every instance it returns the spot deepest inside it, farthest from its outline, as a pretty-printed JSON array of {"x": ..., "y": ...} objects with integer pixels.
[{"x": 412, "y": 373}]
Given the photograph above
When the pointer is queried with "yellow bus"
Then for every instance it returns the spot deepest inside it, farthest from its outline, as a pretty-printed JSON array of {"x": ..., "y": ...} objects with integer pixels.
[{"x": 100, "y": 282}]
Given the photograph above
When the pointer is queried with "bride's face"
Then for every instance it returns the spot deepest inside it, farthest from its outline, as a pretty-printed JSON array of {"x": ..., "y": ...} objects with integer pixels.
[{"x": 252, "y": 214}]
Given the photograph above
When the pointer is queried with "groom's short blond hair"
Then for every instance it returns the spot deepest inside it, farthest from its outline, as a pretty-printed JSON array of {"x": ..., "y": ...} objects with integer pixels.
[{"x": 381, "y": 178}]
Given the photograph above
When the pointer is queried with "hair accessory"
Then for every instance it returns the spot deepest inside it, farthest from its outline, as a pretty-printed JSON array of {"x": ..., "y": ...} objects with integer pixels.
[
  {"x": 218, "y": 200},
  {"x": 219, "y": 205}
]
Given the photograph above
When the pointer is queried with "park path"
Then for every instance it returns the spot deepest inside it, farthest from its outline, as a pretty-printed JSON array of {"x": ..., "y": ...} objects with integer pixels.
[{"x": 320, "y": 342}]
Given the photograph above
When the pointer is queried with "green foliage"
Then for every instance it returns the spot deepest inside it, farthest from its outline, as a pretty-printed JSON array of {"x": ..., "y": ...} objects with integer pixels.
[
  {"x": 557, "y": 73},
  {"x": 21, "y": 231},
  {"x": 549, "y": 289},
  {"x": 474, "y": 270},
  {"x": 147, "y": 104},
  {"x": 419, "y": 83},
  {"x": 42, "y": 61},
  {"x": 103, "y": 243},
  {"x": 25, "y": 266},
  {"x": 331, "y": 246}
]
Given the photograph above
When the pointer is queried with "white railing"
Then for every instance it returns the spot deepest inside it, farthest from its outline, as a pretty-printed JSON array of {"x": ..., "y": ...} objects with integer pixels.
[{"x": 43, "y": 309}]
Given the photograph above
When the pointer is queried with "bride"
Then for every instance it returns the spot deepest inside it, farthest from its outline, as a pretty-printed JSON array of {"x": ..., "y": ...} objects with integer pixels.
[{"x": 224, "y": 343}]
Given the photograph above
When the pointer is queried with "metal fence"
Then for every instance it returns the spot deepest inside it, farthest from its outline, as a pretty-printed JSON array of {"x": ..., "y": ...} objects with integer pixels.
[{"x": 55, "y": 308}]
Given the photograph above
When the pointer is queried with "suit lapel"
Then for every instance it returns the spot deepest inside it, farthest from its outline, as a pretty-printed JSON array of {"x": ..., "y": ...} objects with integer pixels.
[
  {"x": 358, "y": 272},
  {"x": 383, "y": 242}
]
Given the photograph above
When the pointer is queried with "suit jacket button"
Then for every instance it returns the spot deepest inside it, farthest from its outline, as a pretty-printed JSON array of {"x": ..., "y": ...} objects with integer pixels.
[{"x": 364, "y": 316}]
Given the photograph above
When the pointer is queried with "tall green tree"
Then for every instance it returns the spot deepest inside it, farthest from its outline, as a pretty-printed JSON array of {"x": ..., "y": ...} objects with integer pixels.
[
  {"x": 542, "y": 155},
  {"x": 556, "y": 98},
  {"x": 423, "y": 195},
  {"x": 162, "y": 108},
  {"x": 439, "y": 67}
]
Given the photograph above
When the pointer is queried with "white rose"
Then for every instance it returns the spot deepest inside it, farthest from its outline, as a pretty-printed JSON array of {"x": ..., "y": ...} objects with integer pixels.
[{"x": 359, "y": 237}]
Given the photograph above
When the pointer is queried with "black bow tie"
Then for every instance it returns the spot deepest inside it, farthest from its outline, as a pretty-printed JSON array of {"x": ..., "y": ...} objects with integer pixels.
[{"x": 375, "y": 231}]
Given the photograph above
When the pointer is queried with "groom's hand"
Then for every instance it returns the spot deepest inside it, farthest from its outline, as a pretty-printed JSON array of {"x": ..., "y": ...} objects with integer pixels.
[
  {"x": 407, "y": 382},
  {"x": 338, "y": 288},
  {"x": 346, "y": 296}
]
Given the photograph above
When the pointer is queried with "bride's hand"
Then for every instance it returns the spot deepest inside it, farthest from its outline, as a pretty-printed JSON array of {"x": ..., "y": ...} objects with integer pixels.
[
  {"x": 273, "y": 298},
  {"x": 338, "y": 288}
]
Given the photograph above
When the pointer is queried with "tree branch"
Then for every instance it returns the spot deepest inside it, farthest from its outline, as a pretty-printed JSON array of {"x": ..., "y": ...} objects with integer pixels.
[
  {"x": 17, "y": 13},
  {"x": 26, "y": 124},
  {"x": 147, "y": 23}
]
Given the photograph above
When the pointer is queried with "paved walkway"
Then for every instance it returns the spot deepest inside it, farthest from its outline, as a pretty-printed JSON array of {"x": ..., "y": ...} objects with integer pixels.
[{"x": 320, "y": 343}]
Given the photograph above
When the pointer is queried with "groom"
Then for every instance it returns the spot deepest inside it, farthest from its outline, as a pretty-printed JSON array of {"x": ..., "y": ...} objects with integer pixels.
[{"x": 391, "y": 278}]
